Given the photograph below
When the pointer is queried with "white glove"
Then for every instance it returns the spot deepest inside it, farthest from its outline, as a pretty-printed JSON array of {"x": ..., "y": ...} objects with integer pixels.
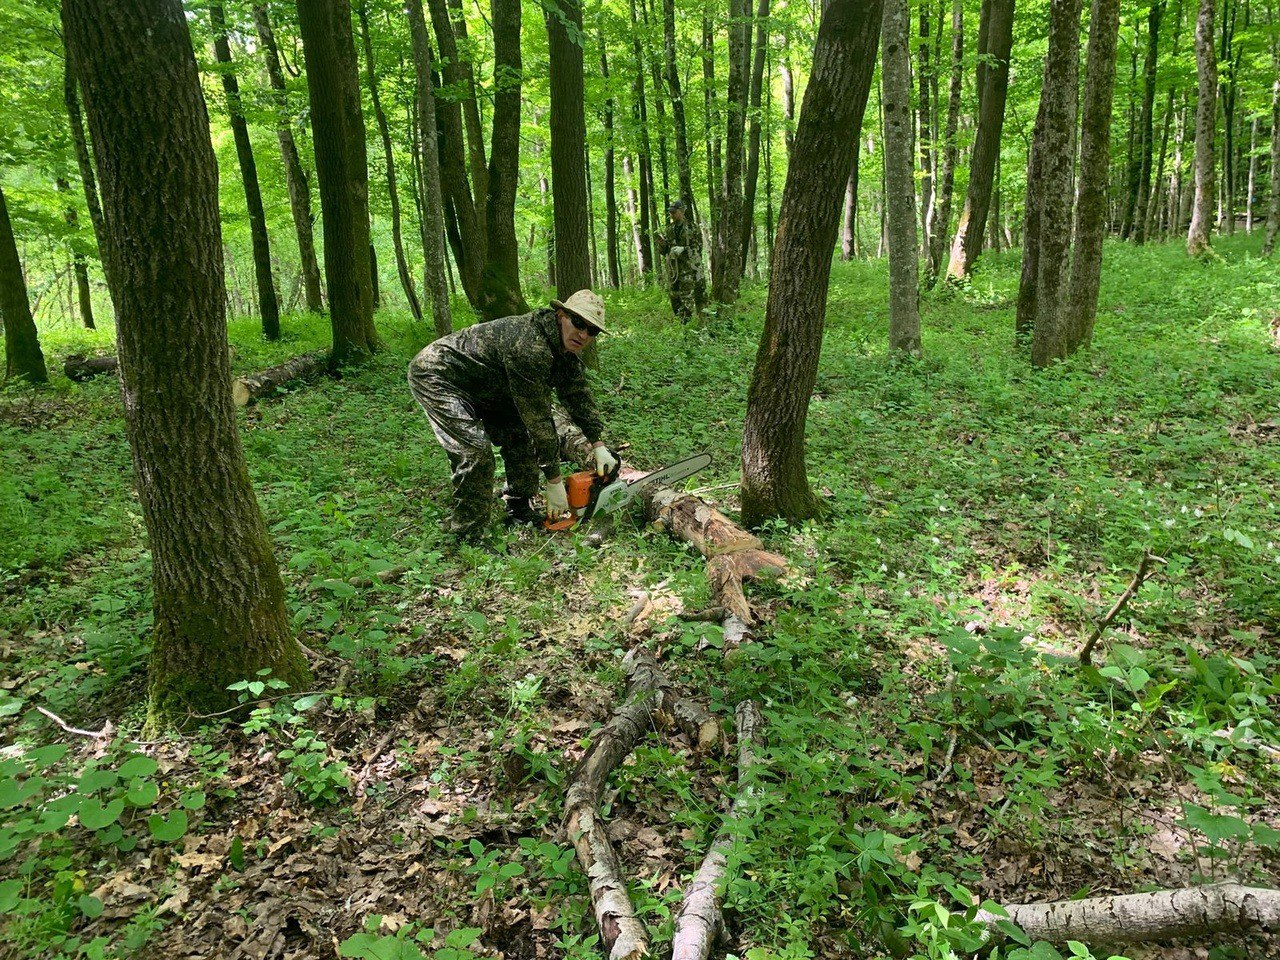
[
  {"x": 606, "y": 462},
  {"x": 677, "y": 251},
  {"x": 557, "y": 499}
]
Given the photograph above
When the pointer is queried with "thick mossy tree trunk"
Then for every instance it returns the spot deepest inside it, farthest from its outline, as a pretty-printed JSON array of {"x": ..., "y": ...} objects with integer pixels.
[
  {"x": 337, "y": 125},
  {"x": 23, "y": 357},
  {"x": 295, "y": 178},
  {"x": 993, "y": 88},
  {"x": 1081, "y": 308},
  {"x": 727, "y": 261},
  {"x": 1206, "y": 125},
  {"x": 435, "y": 270},
  {"x": 899, "y": 178},
  {"x": 78, "y": 264},
  {"x": 219, "y": 600},
  {"x": 389, "y": 164},
  {"x": 570, "y": 216},
  {"x": 268, "y": 305},
  {"x": 774, "y": 483}
]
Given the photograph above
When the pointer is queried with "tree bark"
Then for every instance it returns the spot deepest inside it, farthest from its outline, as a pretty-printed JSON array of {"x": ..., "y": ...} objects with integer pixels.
[
  {"x": 268, "y": 304},
  {"x": 219, "y": 612},
  {"x": 79, "y": 266},
  {"x": 610, "y": 187},
  {"x": 87, "y": 179},
  {"x": 1148, "y": 120},
  {"x": 1055, "y": 161},
  {"x": 711, "y": 122},
  {"x": 773, "y": 468},
  {"x": 337, "y": 124},
  {"x": 23, "y": 358},
  {"x": 676, "y": 94},
  {"x": 1251, "y": 186},
  {"x": 644, "y": 164},
  {"x": 951, "y": 148},
  {"x": 295, "y": 177},
  {"x": 256, "y": 386},
  {"x": 849, "y": 214},
  {"x": 900, "y": 194},
  {"x": 1273, "y": 202},
  {"x": 380, "y": 117},
  {"x": 435, "y": 269},
  {"x": 1206, "y": 122},
  {"x": 1081, "y": 308},
  {"x": 925, "y": 150},
  {"x": 993, "y": 72},
  {"x": 753, "y": 136},
  {"x": 568, "y": 147},
  {"x": 727, "y": 262}
]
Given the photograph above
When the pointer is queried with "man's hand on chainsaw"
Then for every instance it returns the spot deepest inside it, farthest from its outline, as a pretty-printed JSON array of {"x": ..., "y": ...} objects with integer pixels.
[
  {"x": 557, "y": 499},
  {"x": 606, "y": 462}
]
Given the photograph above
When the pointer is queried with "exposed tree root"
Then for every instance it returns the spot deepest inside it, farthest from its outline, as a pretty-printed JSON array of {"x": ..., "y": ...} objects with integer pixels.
[
  {"x": 1144, "y": 917},
  {"x": 623, "y": 935},
  {"x": 245, "y": 390},
  {"x": 700, "y": 922}
]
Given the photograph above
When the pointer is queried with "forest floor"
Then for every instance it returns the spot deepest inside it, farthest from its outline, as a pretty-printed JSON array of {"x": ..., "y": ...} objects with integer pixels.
[{"x": 927, "y": 743}]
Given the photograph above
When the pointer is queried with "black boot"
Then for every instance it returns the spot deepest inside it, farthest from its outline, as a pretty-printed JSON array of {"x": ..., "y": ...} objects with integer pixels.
[{"x": 519, "y": 510}]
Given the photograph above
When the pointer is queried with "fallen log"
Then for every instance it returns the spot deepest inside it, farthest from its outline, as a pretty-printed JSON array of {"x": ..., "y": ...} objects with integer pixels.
[
  {"x": 1144, "y": 917},
  {"x": 621, "y": 932},
  {"x": 245, "y": 390},
  {"x": 700, "y": 921},
  {"x": 80, "y": 368}
]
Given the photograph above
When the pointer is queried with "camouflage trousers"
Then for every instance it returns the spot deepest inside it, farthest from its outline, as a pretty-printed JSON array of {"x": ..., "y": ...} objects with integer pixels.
[
  {"x": 685, "y": 301},
  {"x": 468, "y": 435}
]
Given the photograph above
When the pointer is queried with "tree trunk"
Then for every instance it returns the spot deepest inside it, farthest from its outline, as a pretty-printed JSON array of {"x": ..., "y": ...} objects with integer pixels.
[
  {"x": 610, "y": 196},
  {"x": 435, "y": 269},
  {"x": 79, "y": 267},
  {"x": 1253, "y": 176},
  {"x": 1081, "y": 307},
  {"x": 727, "y": 263},
  {"x": 1206, "y": 121},
  {"x": 87, "y": 179},
  {"x": 788, "y": 97},
  {"x": 219, "y": 612},
  {"x": 264, "y": 383},
  {"x": 80, "y": 368},
  {"x": 711, "y": 123},
  {"x": 849, "y": 214},
  {"x": 295, "y": 178},
  {"x": 1157, "y": 191},
  {"x": 23, "y": 358},
  {"x": 676, "y": 93},
  {"x": 1273, "y": 202},
  {"x": 337, "y": 124},
  {"x": 1055, "y": 161},
  {"x": 659, "y": 110},
  {"x": 1227, "y": 193},
  {"x": 380, "y": 117},
  {"x": 773, "y": 468},
  {"x": 924, "y": 137},
  {"x": 640, "y": 116},
  {"x": 268, "y": 305},
  {"x": 568, "y": 147},
  {"x": 950, "y": 155},
  {"x": 1148, "y": 120},
  {"x": 753, "y": 137},
  {"x": 900, "y": 194},
  {"x": 993, "y": 71}
]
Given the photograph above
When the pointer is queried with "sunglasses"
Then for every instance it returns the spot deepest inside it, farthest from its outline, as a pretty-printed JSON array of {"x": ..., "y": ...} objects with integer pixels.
[{"x": 580, "y": 324}]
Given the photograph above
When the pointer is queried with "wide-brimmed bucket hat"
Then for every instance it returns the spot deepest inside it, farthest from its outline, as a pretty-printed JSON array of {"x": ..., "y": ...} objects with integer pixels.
[{"x": 587, "y": 305}]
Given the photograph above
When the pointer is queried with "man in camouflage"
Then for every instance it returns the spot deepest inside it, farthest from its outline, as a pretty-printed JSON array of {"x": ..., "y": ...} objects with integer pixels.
[
  {"x": 682, "y": 246},
  {"x": 492, "y": 383}
]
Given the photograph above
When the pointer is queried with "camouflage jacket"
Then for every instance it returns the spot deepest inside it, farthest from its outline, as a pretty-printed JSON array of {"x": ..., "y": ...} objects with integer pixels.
[
  {"x": 687, "y": 235},
  {"x": 509, "y": 368}
]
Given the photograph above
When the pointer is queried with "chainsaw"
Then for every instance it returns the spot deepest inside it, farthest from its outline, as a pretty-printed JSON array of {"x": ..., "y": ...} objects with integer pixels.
[{"x": 589, "y": 493}]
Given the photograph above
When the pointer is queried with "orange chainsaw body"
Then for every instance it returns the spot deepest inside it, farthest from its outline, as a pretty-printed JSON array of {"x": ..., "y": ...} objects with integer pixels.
[{"x": 577, "y": 488}]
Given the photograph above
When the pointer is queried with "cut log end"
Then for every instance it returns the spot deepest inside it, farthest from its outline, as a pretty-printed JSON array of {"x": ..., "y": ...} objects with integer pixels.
[{"x": 245, "y": 390}]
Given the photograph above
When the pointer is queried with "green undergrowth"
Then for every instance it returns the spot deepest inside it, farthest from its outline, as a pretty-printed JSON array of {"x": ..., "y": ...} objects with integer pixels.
[{"x": 931, "y": 743}]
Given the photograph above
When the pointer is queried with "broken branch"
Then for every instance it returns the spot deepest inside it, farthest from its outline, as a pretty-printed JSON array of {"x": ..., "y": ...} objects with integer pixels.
[{"x": 1086, "y": 652}]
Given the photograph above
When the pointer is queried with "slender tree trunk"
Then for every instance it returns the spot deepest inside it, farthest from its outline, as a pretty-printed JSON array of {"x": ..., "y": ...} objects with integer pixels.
[
  {"x": 388, "y": 154},
  {"x": 1081, "y": 307},
  {"x": 23, "y": 358},
  {"x": 753, "y": 138},
  {"x": 925, "y": 150},
  {"x": 1157, "y": 191},
  {"x": 337, "y": 124},
  {"x": 268, "y": 305},
  {"x": 788, "y": 97},
  {"x": 660, "y": 113},
  {"x": 1028, "y": 288},
  {"x": 568, "y": 147},
  {"x": 83, "y": 161},
  {"x": 727, "y": 262},
  {"x": 633, "y": 210},
  {"x": 1206, "y": 121},
  {"x": 219, "y": 611},
  {"x": 950, "y": 155},
  {"x": 1147, "y": 122},
  {"x": 610, "y": 197},
  {"x": 466, "y": 80},
  {"x": 502, "y": 295},
  {"x": 676, "y": 94},
  {"x": 1273, "y": 201},
  {"x": 295, "y": 178},
  {"x": 993, "y": 70},
  {"x": 1253, "y": 176},
  {"x": 773, "y": 462},
  {"x": 79, "y": 267},
  {"x": 1231, "y": 64},
  {"x": 900, "y": 194},
  {"x": 849, "y": 214},
  {"x": 435, "y": 268},
  {"x": 711, "y": 123},
  {"x": 640, "y": 115},
  {"x": 1055, "y": 161}
]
